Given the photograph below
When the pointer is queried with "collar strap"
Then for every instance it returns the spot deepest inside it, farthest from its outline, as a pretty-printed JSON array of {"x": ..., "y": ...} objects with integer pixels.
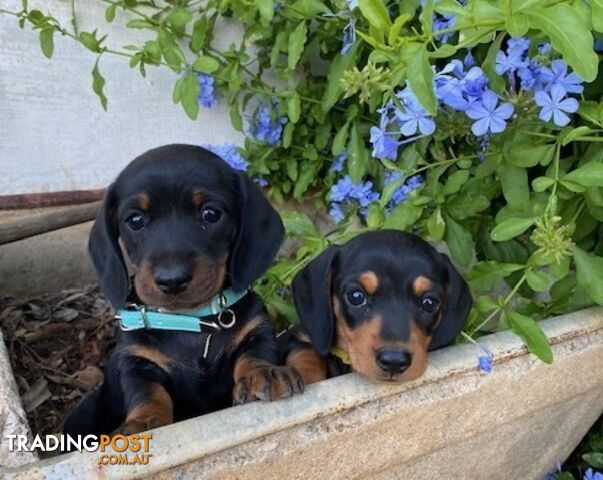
[
  {"x": 341, "y": 355},
  {"x": 139, "y": 317}
]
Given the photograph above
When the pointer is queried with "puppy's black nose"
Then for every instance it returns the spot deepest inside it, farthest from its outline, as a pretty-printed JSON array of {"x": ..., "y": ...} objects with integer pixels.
[
  {"x": 393, "y": 361},
  {"x": 172, "y": 279}
]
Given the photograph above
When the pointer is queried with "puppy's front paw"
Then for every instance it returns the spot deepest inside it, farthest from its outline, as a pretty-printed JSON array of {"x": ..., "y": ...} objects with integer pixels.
[
  {"x": 267, "y": 382},
  {"x": 138, "y": 425}
]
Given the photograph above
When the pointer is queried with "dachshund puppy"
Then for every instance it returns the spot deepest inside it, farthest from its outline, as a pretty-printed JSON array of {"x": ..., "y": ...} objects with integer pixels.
[
  {"x": 195, "y": 338},
  {"x": 375, "y": 305}
]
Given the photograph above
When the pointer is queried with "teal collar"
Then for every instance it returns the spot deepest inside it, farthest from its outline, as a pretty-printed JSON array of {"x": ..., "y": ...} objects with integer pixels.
[{"x": 138, "y": 317}]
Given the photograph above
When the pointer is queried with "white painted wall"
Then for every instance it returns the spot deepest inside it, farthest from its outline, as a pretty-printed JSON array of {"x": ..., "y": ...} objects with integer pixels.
[{"x": 54, "y": 135}]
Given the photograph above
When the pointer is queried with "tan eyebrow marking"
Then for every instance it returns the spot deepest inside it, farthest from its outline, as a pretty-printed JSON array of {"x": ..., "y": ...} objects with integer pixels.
[
  {"x": 369, "y": 281},
  {"x": 421, "y": 285}
]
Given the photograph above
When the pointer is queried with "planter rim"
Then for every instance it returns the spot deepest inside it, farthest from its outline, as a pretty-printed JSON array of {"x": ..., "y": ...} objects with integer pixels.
[{"x": 198, "y": 437}]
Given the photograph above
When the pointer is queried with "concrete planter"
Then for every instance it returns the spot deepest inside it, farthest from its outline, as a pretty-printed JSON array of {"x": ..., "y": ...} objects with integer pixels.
[{"x": 455, "y": 422}]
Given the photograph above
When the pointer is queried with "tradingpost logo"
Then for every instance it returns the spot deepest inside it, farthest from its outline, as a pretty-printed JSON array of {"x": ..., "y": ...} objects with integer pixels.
[{"x": 114, "y": 450}]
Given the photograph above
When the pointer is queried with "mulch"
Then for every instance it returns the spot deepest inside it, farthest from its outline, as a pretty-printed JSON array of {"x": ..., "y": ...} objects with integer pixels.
[{"x": 57, "y": 344}]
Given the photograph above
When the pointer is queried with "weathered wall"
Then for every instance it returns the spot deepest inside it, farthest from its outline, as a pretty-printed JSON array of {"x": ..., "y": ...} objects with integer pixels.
[{"x": 55, "y": 136}]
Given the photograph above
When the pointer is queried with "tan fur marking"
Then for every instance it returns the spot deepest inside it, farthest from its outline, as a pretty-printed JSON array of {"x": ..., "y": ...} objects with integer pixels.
[
  {"x": 152, "y": 355},
  {"x": 243, "y": 332},
  {"x": 421, "y": 285},
  {"x": 197, "y": 198},
  {"x": 311, "y": 366},
  {"x": 143, "y": 201},
  {"x": 369, "y": 281}
]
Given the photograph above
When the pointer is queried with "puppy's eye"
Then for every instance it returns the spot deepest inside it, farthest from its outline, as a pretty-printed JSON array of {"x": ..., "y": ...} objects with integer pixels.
[
  {"x": 355, "y": 298},
  {"x": 135, "y": 221},
  {"x": 211, "y": 215},
  {"x": 430, "y": 304}
]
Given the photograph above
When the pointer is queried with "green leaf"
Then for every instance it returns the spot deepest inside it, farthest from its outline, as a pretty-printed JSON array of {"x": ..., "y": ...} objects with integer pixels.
[
  {"x": 110, "y": 12},
  {"x": 89, "y": 41},
  {"x": 189, "y": 95},
  {"x": 588, "y": 175},
  {"x": 516, "y": 23},
  {"x": 179, "y": 17},
  {"x": 571, "y": 135},
  {"x": 47, "y": 42},
  {"x": 236, "y": 119},
  {"x": 334, "y": 89},
  {"x": 540, "y": 184},
  {"x": 200, "y": 30},
  {"x": 403, "y": 216},
  {"x": 531, "y": 333},
  {"x": 455, "y": 182},
  {"x": 266, "y": 8},
  {"x": 510, "y": 228},
  {"x": 597, "y": 18},
  {"x": 569, "y": 35},
  {"x": 376, "y": 14},
  {"x": 460, "y": 242},
  {"x": 420, "y": 75},
  {"x": 297, "y": 40},
  {"x": 98, "y": 84},
  {"x": 594, "y": 459},
  {"x": 514, "y": 181},
  {"x": 523, "y": 152},
  {"x": 357, "y": 155},
  {"x": 485, "y": 276},
  {"x": 294, "y": 108},
  {"x": 341, "y": 137},
  {"x": 589, "y": 272},
  {"x": 140, "y": 24},
  {"x": 497, "y": 82},
  {"x": 206, "y": 64},
  {"x": 436, "y": 226},
  {"x": 394, "y": 31},
  {"x": 537, "y": 280}
]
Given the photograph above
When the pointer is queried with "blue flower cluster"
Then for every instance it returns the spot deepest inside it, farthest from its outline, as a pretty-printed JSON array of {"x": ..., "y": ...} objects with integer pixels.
[
  {"x": 267, "y": 124},
  {"x": 207, "y": 95},
  {"x": 442, "y": 21},
  {"x": 485, "y": 359},
  {"x": 401, "y": 193},
  {"x": 230, "y": 154},
  {"x": 550, "y": 85},
  {"x": 406, "y": 120},
  {"x": 591, "y": 474},
  {"x": 346, "y": 195}
]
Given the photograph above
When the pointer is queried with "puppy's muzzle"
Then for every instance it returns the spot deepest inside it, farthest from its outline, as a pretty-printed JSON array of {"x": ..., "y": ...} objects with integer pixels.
[
  {"x": 393, "y": 361},
  {"x": 172, "y": 279}
]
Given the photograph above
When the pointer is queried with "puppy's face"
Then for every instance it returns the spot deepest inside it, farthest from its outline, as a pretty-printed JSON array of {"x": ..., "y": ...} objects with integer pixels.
[
  {"x": 385, "y": 298},
  {"x": 191, "y": 226},
  {"x": 178, "y": 225},
  {"x": 386, "y": 307}
]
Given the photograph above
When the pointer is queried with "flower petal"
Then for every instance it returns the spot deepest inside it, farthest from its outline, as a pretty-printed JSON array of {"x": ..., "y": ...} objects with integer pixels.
[
  {"x": 560, "y": 118},
  {"x": 504, "y": 111},
  {"x": 542, "y": 98},
  {"x": 569, "y": 105},
  {"x": 497, "y": 125},
  {"x": 476, "y": 110},
  {"x": 546, "y": 113},
  {"x": 426, "y": 125},
  {"x": 409, "y": 128},
  {"x": 480, "y": 127}
]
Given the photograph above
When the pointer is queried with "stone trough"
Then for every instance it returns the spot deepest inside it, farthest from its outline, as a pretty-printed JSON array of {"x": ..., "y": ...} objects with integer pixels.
[{"x": 454, "y": 422}]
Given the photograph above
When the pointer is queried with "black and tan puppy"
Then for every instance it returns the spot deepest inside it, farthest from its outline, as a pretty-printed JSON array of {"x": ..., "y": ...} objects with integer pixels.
[
  {"x": 198, "y": 234},
  {"x": 375, "y": 305}
]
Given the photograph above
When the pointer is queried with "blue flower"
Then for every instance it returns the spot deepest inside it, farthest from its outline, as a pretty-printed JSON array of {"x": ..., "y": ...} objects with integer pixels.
[
  {"x": 555, "y": 105},
  {"x": 530, "y": 76},
  {"x": 346, "y": 193},
  {"x": 591, "y": 474},
  {"x": 485, "y": 359},
  {"x": 401, "y": 193},
  {"x": 544, "y": 48},
  {"x": 230, "y": 154},
  {"x": 260, "y": 181},
  {"x": 207, "y": 96},
  {"x": 267, "y": 127},
  {"x": 518, "y": 46},
  {"x": 474, "y": 83},
  {"x": 469, "y": 60},
  {"x": 337, "y": 165},
  {"x": 490, "y": 117},
  {"x": 557, "y": 75},
  {"x": 508, "y": 62},
  {"x": 598, "y": 44},
  {"x": 413, "y": 118},
  {"x": 443, "y": 22},
  {"x": 384, "y": 145},
  {"x": 349, "y": 36}
]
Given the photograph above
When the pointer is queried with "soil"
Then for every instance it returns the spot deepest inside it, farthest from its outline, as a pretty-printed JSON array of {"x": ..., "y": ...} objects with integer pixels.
[{"x": 58, "y": 344}]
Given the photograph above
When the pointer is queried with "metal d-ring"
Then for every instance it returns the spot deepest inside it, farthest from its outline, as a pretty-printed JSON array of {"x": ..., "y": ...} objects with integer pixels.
[{"x": 233, "y": 318}]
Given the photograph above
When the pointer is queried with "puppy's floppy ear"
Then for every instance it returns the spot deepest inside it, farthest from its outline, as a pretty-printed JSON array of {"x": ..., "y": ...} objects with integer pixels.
[
  {"x": 259, "y": 236},
  {"x": 106, "y": 253},
  {"x": 312, "y": 296},
  {"x": 458, "y": 304}
]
